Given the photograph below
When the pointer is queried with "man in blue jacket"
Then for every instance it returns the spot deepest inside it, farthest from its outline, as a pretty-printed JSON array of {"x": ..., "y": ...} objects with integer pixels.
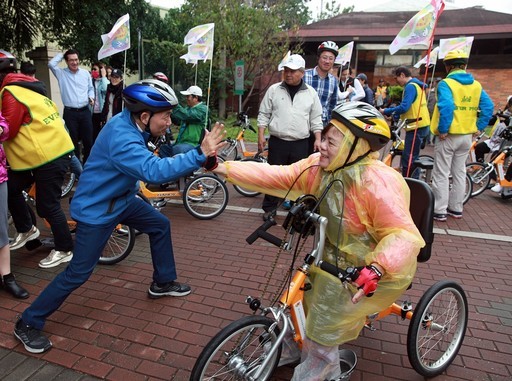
[
  {"x": 413, "y": 107},
  {"x": 106, "y": 196}
]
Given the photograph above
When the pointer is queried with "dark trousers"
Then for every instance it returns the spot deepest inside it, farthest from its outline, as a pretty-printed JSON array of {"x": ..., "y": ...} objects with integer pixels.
[
  {"x": 96, "y": 125},
  {"x": 90, "y": 242},
  {"x": 421, "y": 134},
  {"x": 48, "y": 179},
  {"x": 283, "y": 152},
  {"x": 79, "y": 124}
]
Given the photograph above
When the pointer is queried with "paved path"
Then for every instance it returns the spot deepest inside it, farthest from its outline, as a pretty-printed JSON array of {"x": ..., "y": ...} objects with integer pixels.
[{"x": 109, "y": 329}]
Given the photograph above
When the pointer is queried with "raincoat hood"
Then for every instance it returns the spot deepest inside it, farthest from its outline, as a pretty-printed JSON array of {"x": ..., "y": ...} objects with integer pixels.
[{"x": 343, "y": 159}]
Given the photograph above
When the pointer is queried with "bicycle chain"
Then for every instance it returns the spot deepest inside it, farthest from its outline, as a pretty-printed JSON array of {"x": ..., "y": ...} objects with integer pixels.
[{"x": 275, "y": 295}]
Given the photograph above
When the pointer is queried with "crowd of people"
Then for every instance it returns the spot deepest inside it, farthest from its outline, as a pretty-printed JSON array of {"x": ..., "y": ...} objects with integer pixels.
[{"x": 326, "y": 127}]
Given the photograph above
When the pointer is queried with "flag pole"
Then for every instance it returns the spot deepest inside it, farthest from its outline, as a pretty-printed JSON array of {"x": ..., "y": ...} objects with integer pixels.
[
  {"x": 425, "y": 77},
  {"x": 124, "y": 71},
  {"x": 208, "y": 97}
]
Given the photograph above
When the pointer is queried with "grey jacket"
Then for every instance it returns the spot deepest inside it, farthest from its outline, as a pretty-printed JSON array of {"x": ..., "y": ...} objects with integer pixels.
[{"x": 287, "y": 119}]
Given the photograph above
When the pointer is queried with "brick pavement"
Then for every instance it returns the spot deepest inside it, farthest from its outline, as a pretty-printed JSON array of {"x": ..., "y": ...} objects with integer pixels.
[{"x": 109, "y": 329}]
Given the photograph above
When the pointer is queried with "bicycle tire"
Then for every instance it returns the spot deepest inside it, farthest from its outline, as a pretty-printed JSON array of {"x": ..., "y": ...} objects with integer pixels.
[
  {"x": 69, "y": 182},
  {"x": 468, "y": 190},
  {"x": 480, "y": 178},
  {"x": 119, "y": 245},
  {"x": 230, "y": 151},
  {"x": 237, "y": 351},
  {"x": 247, "y": 192},
  {"x": 205, "y": 197},
  {"x": 437, "y": 328}
]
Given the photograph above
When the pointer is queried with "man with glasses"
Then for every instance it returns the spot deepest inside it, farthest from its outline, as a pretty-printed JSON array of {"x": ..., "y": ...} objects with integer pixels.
[
  {"x": 77, "y": 94},
  {"x": 324, "y": 83}
]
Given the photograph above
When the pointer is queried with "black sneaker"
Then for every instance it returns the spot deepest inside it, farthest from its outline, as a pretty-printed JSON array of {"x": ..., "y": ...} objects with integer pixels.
[
  {"x": 440, "y": 217},
  {"x": 454, "y": 214},
  {"x": 32, "y": 339},
  {"x": 168, "y": 289}
]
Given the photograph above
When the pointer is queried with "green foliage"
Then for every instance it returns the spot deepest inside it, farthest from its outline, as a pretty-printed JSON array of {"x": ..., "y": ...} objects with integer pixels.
[
  {"x": 255, "y": 31},
  {"x": 332, "y": 9},
  {"x": 395, "y": 93}
]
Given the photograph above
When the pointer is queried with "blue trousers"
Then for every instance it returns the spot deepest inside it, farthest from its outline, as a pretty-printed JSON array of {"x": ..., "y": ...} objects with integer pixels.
[
  {"x": 408, "y": 147},
  {"x": 89, "y": 243}
]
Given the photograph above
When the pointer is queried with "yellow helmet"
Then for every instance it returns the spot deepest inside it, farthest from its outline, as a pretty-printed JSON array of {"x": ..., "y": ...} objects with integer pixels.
[
  {"x": 456, "y": 57},
  {"x": 364, "y": 121}
]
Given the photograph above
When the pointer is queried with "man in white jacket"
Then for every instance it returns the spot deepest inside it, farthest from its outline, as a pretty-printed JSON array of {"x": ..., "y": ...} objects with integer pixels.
[{"x": 291, "y": 110}]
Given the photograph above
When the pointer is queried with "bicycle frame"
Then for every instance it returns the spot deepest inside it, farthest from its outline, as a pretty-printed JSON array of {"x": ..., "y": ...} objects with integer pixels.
[
  {"x": 250, "y": 348},
  {"x": 289, "y": 311},
  {"x": 499, "y": 163}
]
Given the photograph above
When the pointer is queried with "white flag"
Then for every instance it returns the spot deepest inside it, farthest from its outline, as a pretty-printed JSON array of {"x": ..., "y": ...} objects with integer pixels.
[
  {"x": 344, "y": 54},
  {"x": 201, "y": 34},
  {"x": 448, "y": 44},
  {"x": 118, "y": 39},
  {"x": 431, "y": 58}
]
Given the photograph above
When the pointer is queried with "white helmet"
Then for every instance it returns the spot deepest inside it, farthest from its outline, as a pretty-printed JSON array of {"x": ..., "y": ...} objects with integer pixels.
[{"x": 328, "y": 46}]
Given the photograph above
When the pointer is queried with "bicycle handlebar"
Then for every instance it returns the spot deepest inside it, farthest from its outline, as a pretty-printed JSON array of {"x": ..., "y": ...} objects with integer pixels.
[
  {"x": 347, "y": 275},
  {"x": 261, "y": 232}
]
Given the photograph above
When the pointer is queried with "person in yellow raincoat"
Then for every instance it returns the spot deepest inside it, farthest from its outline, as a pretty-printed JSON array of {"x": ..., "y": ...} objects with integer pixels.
[{"x": 367, "y": 206}]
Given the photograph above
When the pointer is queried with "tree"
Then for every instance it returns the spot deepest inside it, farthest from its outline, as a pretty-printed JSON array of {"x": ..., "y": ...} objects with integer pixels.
[
  {"x": 332, "y": 9},
  {"x": 253, "y": 31},
  {"x": 22, "y": 21},
  {"x": 74, "y": 23}
]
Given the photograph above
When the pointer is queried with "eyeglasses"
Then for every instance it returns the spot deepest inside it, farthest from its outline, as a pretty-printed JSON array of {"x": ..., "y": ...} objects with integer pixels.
[
  {"x": 327, "y": 58},
  {"x": 95, "y": 69}
]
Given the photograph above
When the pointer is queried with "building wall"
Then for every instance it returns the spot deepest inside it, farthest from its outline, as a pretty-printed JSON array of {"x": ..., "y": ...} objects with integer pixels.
[{"x": 496, "y": 83}]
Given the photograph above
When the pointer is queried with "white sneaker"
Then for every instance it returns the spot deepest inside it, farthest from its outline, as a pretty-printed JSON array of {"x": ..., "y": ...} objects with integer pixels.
[
  {"x": 497, "y": 188},
  {"x": 22, "y": 238},
  {"x": 55, "y": 258}
]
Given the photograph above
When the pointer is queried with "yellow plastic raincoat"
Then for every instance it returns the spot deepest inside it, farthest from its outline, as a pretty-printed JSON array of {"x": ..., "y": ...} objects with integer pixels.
[{"x": 369, "y": 221}]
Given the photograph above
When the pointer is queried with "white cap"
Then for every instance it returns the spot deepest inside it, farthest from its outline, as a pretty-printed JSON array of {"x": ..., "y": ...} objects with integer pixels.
[
  {"x": 294, "y": 62},
  {"x": 193, "y": 90}
]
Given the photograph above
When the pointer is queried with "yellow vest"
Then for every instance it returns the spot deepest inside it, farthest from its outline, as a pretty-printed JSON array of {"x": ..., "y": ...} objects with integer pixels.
[
  {"x": 419, "y": 104},
  {"x": 466, "y": 99},
  {"x": 43, "y": 139}
]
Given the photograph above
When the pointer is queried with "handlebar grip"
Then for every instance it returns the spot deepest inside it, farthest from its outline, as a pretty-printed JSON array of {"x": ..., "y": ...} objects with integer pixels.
[
  {"x": 331, "y": 269},
  {"x": 252, "y": 128},
  {"x": 349, "y": 274},
  {"x": 260, "y": 230}
]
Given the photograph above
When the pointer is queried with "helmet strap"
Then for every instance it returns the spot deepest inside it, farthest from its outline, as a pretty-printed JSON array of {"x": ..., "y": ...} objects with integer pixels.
[
  {"x": 346, "y": 164},
  {"x": 151, "y": 113}
]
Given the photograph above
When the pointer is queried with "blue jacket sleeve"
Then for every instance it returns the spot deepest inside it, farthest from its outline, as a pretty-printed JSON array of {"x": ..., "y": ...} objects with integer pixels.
[
  {"x": 407, "y": 101},
  {"x": 486, "y": 108},
  {"x": 446, "y": 106}
]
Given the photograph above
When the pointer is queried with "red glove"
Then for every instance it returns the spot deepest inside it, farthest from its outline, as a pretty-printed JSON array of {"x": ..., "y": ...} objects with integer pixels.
[
  {"x": 367, "y": 279},
  {"x": 211, "y": 163}
]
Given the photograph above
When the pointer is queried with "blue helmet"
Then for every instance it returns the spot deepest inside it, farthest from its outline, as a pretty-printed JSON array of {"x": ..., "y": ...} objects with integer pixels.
[{"x": 149, "y": 95}]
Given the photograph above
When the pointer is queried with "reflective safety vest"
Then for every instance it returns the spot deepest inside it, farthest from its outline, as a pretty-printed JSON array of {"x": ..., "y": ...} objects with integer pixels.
[
  {"x": 466, "y": 99},
  {"x": 43, "y": 139},
  {"x": 419, "y": 104}
]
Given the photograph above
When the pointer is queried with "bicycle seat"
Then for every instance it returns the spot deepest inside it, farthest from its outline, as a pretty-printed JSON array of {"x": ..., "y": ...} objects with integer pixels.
[
  {"x": 422, "y": 213},
  {"x": 424, "y": 163}
]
